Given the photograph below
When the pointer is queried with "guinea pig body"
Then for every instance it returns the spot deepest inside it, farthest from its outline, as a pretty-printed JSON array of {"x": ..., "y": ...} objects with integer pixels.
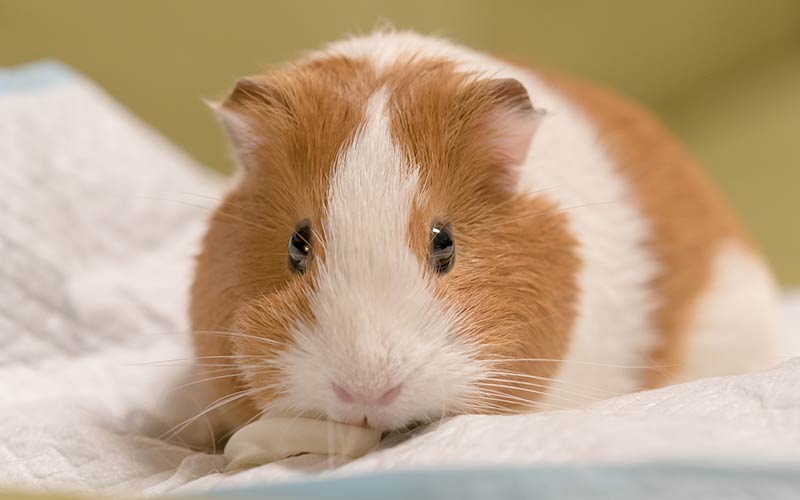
[{"x": 419, "y": 230}]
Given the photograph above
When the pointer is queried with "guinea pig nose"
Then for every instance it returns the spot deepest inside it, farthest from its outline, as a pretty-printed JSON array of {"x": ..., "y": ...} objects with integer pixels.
[
  {"x": 390, "y": 395},
  {"x": 385, "y": 399},
  {"x": 342, "y": 394}
]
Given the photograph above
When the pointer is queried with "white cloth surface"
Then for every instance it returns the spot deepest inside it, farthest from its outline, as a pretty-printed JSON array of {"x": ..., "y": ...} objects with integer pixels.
[{"x": 99, "y": 219}]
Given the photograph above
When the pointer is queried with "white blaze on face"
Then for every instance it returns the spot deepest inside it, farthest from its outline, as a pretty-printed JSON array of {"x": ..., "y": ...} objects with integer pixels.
[{"x": 377, "y": 324}]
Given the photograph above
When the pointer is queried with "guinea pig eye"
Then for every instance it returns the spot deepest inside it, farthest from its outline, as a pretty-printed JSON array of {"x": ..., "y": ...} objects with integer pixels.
[
  {"x": 443, "y": 248},
  {"x": 300, "y": 248}
]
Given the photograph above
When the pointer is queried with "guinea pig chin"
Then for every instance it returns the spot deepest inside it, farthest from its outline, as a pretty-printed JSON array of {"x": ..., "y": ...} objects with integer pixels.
[{"x": 390, "y": 365}]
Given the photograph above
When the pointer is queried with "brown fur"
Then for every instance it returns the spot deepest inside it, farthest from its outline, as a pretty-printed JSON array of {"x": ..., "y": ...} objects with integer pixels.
[{"x": 689, "y": 218}]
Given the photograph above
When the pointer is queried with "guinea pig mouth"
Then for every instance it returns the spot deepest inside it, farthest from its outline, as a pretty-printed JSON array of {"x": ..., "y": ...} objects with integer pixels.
[
  {"x": 410, "y": 429},
  {"x": 394, "y": 437}
]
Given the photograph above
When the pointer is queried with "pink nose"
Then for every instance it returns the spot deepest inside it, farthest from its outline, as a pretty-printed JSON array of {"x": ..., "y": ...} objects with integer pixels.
[{"x": 385, "y": 399}]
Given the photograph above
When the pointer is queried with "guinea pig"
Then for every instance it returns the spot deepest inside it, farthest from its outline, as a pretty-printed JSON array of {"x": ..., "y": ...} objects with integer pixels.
[{"x": 418, "y": 230}]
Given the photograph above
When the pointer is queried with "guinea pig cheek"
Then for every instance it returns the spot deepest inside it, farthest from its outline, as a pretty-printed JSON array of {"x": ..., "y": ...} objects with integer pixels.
[
  {"x": 264, "y": 334},
  {"x": 514, "y": 283}
]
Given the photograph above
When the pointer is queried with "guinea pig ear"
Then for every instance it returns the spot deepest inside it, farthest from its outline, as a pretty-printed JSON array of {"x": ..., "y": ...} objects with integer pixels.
[
  {"x": 512, "y": 120},
  {"x": 240, "y": 115}
]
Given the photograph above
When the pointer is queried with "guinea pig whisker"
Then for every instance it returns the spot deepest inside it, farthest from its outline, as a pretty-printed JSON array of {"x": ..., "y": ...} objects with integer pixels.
[
  {"x": 206, "y": 374},
  {"x": 523, "y": 407},
  {"x": 500, "y": 405},
  {"x": 209, "y": 209},
  {"x": 221, "y": 369},
  {"x": 542, "y": 404},
  {"x": 483, "y": 406},
  {"x": 236, "y": 334},
  {"x": 197, "y": 195},
  {"x": 532, "y": 391},
  {"x": 591, "y": 363},
  {"x": 214, "y": 405},
  {"x": 203, "y": 380},
  {"x": 176, "y": 360},
  {"x": 576, "y": 385},
  {"x": 232, "y": 356},
  {"x": 550, "y": 390},
  {"x": 494, "y": 208},
  {"x": 492, "y": 376},
  {"x": 317, "y": 238},
  {"x": 219, "y": 202},
  {"x": 162, "y": 333},
  {"x": 556, "y": 210},
  {"x": 189, "y": 364},
  {"x": 499, "y": 396}
]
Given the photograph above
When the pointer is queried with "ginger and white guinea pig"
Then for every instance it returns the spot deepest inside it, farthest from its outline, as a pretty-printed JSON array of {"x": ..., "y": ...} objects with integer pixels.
[{"x": 420, "y": 230}]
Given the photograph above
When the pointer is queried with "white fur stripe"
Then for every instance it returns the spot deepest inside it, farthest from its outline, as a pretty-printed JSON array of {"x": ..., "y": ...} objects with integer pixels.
[
  {"x": 370, "y": 200},
  {"x": 736, "y": 325},
  {"x": 377, "y": 323}
]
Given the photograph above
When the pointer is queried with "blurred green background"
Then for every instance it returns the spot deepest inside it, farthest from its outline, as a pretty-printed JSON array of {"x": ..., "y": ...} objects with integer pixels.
[{"x": 723, "y": 74}]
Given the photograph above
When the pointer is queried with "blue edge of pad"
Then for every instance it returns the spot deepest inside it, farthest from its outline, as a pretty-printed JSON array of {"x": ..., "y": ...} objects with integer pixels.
[
  {"x": 654, "y": 481},
  {"x": 33, "y": 76}
]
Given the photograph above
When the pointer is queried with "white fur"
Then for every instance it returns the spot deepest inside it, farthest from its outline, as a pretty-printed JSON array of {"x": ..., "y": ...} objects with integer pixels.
[
  {"x": 567, "y": 163},
  {"x": 377, "y": 323},
  {"x": 613, "y": 334},
  {"x": 741, "y": 299}
]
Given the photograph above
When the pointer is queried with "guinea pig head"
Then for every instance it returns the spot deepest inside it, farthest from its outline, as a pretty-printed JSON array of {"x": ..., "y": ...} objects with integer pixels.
[{"x": 374, "y": 261}]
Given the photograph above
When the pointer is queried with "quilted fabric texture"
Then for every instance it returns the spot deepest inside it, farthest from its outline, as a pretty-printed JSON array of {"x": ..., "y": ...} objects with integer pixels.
[
  {"x": 99, "y": 219},
  {"x": 98, "y": 233}
]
